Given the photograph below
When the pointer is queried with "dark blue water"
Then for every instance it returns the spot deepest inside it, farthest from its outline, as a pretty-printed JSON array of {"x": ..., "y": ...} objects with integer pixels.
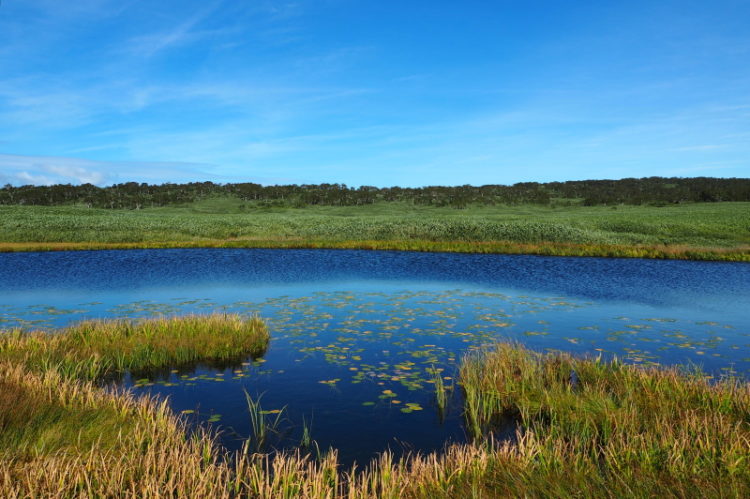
[{"x": 358, "y": 336}]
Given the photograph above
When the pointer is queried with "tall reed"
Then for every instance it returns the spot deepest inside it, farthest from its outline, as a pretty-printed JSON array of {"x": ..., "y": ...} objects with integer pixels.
[
  {"x": 441, "y": 395},
  {"x": 263, "y": 424}
]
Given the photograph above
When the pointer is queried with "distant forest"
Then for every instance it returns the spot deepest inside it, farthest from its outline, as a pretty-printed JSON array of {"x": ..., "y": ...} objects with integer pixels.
[{"x": 132, "y": 195}]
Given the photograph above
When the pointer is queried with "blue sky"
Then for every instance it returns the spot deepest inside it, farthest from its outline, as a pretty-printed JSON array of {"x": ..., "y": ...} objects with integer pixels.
[{"x": 372, "y": 92}]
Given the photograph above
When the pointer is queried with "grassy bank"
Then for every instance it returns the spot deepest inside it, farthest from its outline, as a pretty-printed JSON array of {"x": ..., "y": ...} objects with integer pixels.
[
  {"x": 714, "y": 231},
  {"x": 93, "y": 349},
  {"x": 65, "y": 438},
  {"x": 739, "y": 254},
  {"x": 614, "y": 431}
]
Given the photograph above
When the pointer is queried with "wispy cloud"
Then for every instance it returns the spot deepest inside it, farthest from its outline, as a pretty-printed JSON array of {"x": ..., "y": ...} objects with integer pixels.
[
  {"x": 51, "y": 170},
  {"x": 81, "y": 8},
  {"x": 699, "y": 147},
  {"x": 151, "y": 44}
]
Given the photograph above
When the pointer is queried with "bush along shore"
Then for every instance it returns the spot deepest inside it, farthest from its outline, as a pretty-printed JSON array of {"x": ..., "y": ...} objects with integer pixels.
[{"x": 584, "y": 427}]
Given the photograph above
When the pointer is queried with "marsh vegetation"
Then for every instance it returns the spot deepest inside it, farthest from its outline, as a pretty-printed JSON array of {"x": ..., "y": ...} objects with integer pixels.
[
  {"x": 717, "y": 231},
  {"x": 620, "y": 430},
  {"x": 97, "y": 348}
]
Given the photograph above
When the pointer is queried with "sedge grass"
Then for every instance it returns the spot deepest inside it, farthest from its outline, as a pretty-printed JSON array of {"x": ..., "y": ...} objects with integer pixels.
[
  {"x": 73, "y": 439},
  {"x": 441, "y": 395},
  {"x": 618, "y": 427},
  {"x": 263, "y": 424},
  {"x": 97, "y": 348}
]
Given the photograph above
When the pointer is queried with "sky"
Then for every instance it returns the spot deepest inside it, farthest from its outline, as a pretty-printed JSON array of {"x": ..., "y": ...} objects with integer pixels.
[{"x": 372, "y": 92}]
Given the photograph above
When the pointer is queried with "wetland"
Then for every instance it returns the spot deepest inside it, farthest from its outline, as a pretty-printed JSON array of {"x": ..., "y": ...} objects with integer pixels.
[{"x": 366, "y": 347}]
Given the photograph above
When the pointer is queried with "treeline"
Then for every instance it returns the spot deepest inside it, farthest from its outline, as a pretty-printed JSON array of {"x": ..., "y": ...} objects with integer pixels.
[{"x": 132, "y": 195}]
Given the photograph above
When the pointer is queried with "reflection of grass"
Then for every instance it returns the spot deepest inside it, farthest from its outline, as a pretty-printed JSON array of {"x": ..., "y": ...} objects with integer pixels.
[
  {"x": 617, "y": 431},
  {"x": 692, "y": 231},
  {"x": 93, "y": 349}
]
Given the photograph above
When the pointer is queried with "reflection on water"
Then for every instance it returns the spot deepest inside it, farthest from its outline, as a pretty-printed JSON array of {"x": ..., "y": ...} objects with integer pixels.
[{"x": 358, "y": 338}]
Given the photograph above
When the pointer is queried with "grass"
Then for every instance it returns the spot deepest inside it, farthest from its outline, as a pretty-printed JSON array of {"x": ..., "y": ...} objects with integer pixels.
[
  {"x": 714, "y": 231},
  {"x": 441, "y": 395},
  {"x": 94, "y": 349},
  {"x": 618, "y": 431},
  {"x": 70, "y": 438},
  {"x": 263, "y": 424}
]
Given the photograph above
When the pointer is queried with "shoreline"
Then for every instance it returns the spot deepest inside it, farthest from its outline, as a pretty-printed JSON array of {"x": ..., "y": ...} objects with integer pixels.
[{"x": 666, "y": 252}]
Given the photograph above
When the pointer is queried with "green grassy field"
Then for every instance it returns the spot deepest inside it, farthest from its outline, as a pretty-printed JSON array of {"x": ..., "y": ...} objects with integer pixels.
[{"x": 708, "y": 230}]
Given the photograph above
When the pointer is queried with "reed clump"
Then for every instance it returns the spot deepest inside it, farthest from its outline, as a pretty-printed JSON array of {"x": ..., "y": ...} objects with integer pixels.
[
  {"x": 74, "y": 439},
  {"x": 611, "y": 428},
  {"x": 70, "y": 438},
  {"x": 97, "y": 348}
]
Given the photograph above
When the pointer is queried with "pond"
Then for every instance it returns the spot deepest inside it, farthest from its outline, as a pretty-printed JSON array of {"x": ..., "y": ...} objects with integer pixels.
[{"x": 358, "y": 337}]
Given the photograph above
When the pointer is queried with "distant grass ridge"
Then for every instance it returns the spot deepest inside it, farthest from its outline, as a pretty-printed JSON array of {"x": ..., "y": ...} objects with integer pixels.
[{"x": 96, "y": 348}]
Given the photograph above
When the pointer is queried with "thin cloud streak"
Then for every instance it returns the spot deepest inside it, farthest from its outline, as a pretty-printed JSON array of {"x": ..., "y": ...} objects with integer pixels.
[{"x": 148, "y": 46}]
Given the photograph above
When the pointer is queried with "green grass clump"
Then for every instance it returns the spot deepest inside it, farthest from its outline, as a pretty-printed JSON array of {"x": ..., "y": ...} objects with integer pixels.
[
  {"x": 43, "y": 414},
  {"x": 97, "y": 348},
  {"x": 263, "y": 423},
  {"x": 609, "y": 428},
  {"x": 441, "y": 392}
]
